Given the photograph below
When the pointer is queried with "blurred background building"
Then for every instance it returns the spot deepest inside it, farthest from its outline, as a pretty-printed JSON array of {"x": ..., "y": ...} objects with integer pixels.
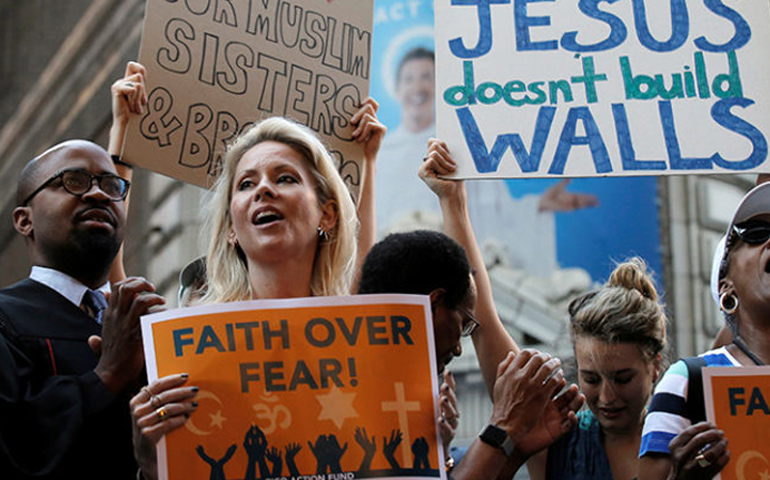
[{"x": 58, "y": 59}]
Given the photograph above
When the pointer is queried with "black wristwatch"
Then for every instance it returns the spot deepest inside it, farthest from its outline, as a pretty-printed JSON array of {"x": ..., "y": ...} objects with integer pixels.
[{"x": 498, "y": 438}]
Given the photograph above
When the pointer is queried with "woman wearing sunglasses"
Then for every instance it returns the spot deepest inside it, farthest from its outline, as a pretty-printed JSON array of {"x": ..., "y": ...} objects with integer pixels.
[{"x": 675, "y": 444}]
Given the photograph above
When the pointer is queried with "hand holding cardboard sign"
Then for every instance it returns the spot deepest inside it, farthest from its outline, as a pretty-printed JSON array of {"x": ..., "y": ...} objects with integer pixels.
[
  {"x": 369, "y": 130},
  {"x": 129, "y": 96}
]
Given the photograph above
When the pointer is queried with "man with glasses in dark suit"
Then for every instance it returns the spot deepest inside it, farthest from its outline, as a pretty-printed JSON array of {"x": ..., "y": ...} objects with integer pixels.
[{"x": 70, "y": 357}]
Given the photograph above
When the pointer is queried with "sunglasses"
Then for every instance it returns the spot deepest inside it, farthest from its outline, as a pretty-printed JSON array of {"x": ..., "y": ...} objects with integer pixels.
[
  {"x": 753, "y": 232},
  {"x": 78, "y": 182}
]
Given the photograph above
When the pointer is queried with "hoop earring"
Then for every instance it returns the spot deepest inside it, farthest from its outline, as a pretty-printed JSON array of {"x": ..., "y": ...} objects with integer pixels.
[{"x": 728, "y": 303}]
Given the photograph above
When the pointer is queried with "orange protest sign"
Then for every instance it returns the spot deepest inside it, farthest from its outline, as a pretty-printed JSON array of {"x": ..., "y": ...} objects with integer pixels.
[
  {"x": 738, "y": 402},
  {"x": 326, "y": 388}
]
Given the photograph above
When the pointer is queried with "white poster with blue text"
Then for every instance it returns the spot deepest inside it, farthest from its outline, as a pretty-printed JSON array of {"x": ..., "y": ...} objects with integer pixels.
[
  {"x": 544, "y": 240},
  {"x": 575, "y": 88}
]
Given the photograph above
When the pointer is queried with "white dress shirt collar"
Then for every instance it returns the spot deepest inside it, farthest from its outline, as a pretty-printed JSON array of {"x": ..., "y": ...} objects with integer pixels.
[{"x": 62, "y": 283}]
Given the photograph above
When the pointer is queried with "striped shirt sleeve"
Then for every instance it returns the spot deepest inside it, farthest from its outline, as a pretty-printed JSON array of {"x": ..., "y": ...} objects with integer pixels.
[{"x": 666, "y": 416}]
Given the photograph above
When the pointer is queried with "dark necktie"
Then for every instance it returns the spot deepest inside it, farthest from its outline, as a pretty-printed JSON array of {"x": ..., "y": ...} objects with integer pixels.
[{"x": 96, "y": 303}]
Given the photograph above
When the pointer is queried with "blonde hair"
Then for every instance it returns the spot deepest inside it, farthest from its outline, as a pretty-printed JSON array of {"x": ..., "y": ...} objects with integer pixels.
[
  {"x": 335, "y": 258},
  {"x": 625, "y": 309}
]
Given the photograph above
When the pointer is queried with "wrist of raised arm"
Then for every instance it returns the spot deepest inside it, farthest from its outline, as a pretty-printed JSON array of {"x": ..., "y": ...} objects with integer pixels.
[{"x": 454, "y": 203}]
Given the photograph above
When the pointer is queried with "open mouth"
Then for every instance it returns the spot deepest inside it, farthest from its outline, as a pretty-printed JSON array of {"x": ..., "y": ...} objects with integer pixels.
[
  {"x": 266, "y": 217},
  {"x": 98, "y": 215}
]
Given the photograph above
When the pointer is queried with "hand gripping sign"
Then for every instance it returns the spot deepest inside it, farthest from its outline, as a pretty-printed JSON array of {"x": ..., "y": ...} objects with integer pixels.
[{"x": 327, "y": 387}]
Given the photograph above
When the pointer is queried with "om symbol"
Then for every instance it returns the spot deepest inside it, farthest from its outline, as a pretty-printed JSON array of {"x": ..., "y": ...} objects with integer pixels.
[{"x": 278, "y": 416}]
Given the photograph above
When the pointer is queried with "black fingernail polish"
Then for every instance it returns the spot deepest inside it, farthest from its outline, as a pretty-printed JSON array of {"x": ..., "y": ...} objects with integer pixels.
[
  {"x": 184, "y": 375},
  {"x": 195, "y": 404},
  {"x": 194, "y": 389}
]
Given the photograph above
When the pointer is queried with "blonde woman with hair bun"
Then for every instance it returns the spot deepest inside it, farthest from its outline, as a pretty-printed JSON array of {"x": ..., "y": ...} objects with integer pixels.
[{"x": 619, "y": 336}]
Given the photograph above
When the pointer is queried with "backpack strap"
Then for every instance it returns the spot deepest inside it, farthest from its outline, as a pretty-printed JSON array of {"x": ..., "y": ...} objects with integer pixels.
[{"x": 696, "y": 405}]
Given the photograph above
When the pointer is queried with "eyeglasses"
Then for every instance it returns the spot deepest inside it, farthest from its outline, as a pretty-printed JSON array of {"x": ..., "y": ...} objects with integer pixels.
[
  {"x": 78, "y": 182},
  {"x": 753, "y": 232},
  {"x": 470, "y": 325}
]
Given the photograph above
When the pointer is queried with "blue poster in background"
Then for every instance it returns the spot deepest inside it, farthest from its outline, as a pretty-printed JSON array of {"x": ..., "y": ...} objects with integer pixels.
[{"x": 535, "y": 227}]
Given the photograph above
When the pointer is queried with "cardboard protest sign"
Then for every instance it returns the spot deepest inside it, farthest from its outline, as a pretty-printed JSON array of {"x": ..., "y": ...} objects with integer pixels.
[
  {"x": 738, "y": 402},
  {"x": 328, "y": 387},
  {"x": 536, "y": 88},
  {"x": 215, "y": 68}
]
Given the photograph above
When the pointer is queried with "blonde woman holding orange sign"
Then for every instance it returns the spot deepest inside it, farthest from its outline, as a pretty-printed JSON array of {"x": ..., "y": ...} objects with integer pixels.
[{"x": 281, "y": 224}]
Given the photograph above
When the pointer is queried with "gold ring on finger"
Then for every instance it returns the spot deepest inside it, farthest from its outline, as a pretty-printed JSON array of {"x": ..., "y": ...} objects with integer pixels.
[
  {"x": 702, "y": 460},
  {"x": 162, "y": 413}
]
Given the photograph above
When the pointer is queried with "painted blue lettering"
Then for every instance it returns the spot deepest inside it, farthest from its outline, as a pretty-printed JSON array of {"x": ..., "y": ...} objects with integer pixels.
[
  {"x": 484, "y": 43},
  {"x": 675, "y": 159},
  {"x": 680, "y": 26},
  {"x": 618, "y": 31},
  {"x": 721, "y": 113},
  {"x": 742, "y": 29},
  {"x": 627, "y": 153},
  {"x": 486, "y": 161},
  {"x": 522, "y": 23},
  {"x": 592, "y": 138}
]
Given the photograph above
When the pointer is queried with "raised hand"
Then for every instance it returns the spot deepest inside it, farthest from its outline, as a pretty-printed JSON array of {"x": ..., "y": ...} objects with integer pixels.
[
  {"x": 202, "y": 453},
  {"x": 558, "y": 418},
  {"x": 274, "y": 455},
  {"x": 369, "y": 130},
  {"x": 255, "y": 445},
  {"x": 389, "y": 448},
  {"x": 217, "y": 466},
  {"x": 558, "y": 199},
  {"x": 437, "y": 164},
  {"x": 319, "y": 452},
  {"x": 525, "y": 384},
  {"x": 420, "y": 451},
  {"x": 334, "y": 454},
  {"x": 291, "y": 451},
  {"x": 129, "y": 97},
  {"x": 369, "y": 447}
]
